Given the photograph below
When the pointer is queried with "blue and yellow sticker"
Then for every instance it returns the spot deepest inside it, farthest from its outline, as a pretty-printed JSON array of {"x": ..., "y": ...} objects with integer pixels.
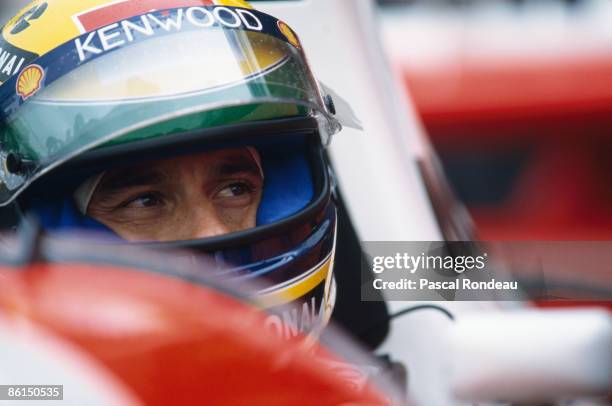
[{"x": 302, "y": 306}]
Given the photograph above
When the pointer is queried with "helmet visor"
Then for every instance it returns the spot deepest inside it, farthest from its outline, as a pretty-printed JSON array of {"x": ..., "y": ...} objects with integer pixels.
[{"x": 149, "y": 76}]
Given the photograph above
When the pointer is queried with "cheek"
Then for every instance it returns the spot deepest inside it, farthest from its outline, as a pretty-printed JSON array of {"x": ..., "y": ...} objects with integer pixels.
[
  {"x": 239, "y": 218},
  {"x": 134, "y": 228}
]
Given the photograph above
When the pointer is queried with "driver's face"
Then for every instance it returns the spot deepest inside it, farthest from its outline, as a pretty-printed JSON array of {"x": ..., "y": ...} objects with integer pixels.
[{"x": 180, "y": 198}]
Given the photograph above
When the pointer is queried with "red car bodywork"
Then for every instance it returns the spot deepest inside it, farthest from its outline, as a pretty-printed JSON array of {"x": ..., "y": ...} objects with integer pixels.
[{"x": 168, "y": 341}]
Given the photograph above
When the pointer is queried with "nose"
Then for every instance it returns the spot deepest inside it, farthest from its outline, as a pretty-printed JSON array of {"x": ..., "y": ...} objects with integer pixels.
[
  {"x": 210, "y": 230},
  {"x": 206, "y": 223}
]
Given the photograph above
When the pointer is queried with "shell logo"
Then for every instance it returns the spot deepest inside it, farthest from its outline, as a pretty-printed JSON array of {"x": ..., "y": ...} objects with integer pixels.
[
  {"x": 30, "y": 81},
  {"x": 288, "y": 32}
]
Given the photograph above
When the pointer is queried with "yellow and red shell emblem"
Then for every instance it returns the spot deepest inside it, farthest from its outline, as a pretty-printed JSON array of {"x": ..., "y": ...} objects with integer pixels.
[
  {"x": 289, "y": 34},
  {"x": 30, "y": 81}
]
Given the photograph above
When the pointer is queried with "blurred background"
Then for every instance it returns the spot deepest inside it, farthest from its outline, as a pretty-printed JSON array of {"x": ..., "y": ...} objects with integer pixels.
[
  {"x": 516, "y": 96},
  {"x": 517, "y": 99}
]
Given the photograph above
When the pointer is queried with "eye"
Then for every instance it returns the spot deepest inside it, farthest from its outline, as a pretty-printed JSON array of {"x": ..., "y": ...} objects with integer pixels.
[
  {"x": 237, "y": 189},
  {"x": 144, "y": 200}
]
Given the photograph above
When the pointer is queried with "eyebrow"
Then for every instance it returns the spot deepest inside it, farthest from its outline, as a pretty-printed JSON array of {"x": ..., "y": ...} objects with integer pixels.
[
  {"x": 235, "y": 162},
  {"x": 127, "y": 178},
  {"x": 134, "y": 177},
  {"x": 227, "y": 168}
]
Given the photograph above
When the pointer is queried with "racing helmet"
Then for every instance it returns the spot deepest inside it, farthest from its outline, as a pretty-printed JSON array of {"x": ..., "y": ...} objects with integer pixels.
[{"x": 95, "y": 84}]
